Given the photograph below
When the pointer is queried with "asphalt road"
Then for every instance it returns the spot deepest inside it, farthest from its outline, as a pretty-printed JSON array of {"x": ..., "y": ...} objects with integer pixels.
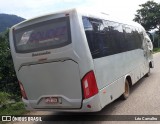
[{"x": 144, "y": 99}]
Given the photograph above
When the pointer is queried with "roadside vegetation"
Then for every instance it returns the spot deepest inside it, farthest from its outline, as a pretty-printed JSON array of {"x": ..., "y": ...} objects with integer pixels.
[
  {"x": 10, "y": 97},
  {"x": 156, "y": 50},
  {"x": 9, "y": 106}
]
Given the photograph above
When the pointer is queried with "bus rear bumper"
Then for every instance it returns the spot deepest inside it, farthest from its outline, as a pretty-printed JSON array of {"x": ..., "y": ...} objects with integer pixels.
[{"x": 88, "y": 105}]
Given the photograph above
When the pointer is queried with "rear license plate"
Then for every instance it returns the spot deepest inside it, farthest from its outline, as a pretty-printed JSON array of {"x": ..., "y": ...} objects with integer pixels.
[{"x": 51, "y": 100}]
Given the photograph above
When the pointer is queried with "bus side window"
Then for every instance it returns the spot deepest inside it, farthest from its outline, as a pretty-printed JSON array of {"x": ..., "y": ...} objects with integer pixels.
[
  {"x": 107, "y": 37},
  {"x": 94, "y": 34},
  {"x": 87, "y": 25},
  {"x": 127, "y": 34},
  {"x": 141, "y": 37},
  {"x": 137, "y": 39},
  {"x": 89, "y": 32},
  {"x": 114, "y": 37}
]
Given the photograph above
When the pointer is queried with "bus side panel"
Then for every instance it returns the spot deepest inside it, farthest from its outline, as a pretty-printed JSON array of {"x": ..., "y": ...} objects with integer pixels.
[
  {"x": 108, "y": 94},
  {"x": 111, "y": 72},
  {"x": 80, "y": 45},
  {"x": 111, "y": 68}
]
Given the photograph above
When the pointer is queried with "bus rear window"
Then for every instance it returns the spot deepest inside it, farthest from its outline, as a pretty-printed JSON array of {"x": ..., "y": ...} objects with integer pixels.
[{"x": 44, "y": 35}]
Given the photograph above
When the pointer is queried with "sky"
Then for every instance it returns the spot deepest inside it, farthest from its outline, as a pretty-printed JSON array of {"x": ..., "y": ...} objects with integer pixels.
[{"x": 125, "y": 9}]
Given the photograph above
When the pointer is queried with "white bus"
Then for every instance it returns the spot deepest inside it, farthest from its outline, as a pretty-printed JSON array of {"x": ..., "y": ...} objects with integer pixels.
[{"x": 76, "y": 61}]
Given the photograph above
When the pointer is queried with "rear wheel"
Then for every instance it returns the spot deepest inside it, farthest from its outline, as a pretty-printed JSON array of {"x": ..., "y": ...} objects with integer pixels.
[
  {"x": 148, "y": 73},
  {"x": 125, "y": 95}
]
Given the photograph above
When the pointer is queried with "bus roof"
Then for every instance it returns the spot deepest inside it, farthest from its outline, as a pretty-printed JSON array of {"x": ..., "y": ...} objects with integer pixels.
[{"x": 88, "y": 13}]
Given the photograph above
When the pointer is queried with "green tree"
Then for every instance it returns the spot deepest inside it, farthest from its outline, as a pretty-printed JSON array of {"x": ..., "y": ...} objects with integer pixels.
[
  {"x": 149, "y": 15},
  {"x": 8, "y": 80}
]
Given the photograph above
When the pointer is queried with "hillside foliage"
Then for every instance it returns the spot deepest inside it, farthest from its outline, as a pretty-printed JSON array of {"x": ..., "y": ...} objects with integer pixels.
[{"x": 7, "y": 21}]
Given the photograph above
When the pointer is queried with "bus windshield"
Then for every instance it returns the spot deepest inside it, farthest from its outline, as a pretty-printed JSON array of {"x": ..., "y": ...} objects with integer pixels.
[{"x": 44, "y": 35}]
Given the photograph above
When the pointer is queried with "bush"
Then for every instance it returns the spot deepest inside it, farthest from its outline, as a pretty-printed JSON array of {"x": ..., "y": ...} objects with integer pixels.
[
  {"x": 8, "y": 79},
  {"x": 155, "y": 50},
  {"x": 17, "y": 106},
  {"x": 13, "y": 109},
  {"x": 4, "y": 98}
]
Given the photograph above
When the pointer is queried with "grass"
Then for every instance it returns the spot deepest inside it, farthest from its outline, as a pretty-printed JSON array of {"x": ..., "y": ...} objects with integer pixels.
[
  {"x": 13, "y": 109},
  {"x": 10, "y": 106},
  {"x": 156, "y": 50}
]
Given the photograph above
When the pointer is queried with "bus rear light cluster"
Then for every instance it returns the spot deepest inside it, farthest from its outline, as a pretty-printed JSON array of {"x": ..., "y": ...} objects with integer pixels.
[
  {"x": 23, "y": 91},
  {"x": 89, "y": 85}
]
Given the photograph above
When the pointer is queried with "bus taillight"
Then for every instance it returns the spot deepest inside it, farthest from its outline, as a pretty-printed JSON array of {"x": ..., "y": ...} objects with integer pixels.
[
  {"x": 23, "y": 91},
  {"x": 89, "y": 85}
]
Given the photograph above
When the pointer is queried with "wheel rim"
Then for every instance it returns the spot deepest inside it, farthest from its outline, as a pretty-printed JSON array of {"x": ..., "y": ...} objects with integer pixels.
[{"x": 126, "y": 93}]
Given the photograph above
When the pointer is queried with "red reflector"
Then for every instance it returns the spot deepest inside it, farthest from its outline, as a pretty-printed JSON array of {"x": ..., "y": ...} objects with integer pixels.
[
  {"x": 89, "y": 85},
  {"x": 89, "y": 106},
  {"x": 23, "y": 91}
]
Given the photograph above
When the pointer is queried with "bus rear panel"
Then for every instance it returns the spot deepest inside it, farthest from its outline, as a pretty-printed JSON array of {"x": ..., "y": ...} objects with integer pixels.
[{"x": 49, "y": 67}]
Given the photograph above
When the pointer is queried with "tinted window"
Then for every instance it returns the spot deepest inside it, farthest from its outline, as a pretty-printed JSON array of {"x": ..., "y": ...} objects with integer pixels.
[
  {"x": 114, "y": 37},
  {"x": 94, "y": 34},
  {"x": 107, "y": 38},
  {"x": 44, "y": 35}
]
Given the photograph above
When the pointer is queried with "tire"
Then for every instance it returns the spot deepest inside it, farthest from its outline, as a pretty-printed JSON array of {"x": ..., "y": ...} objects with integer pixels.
[
  {"x": 148, "y": 73},
  {"x": 125, "y": 95}
]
